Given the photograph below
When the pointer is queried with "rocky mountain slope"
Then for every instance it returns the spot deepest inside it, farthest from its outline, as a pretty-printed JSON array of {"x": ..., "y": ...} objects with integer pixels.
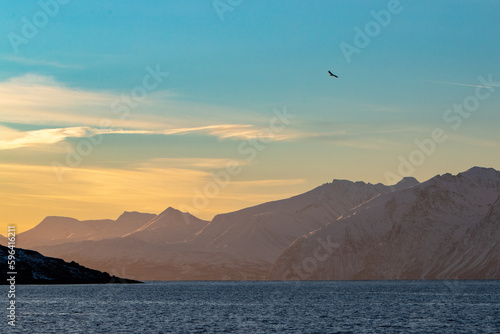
[
  {"x": 444, "y": 228},
  {"x": 262, "y": 232}
]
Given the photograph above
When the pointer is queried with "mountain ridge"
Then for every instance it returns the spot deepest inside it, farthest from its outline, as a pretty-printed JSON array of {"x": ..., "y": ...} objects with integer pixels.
[
  {"x": 251, "y": 243},
  {"x": 400, "y": 235}
]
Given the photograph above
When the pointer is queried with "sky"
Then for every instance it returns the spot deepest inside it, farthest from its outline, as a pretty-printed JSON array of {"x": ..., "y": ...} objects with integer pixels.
[{"x": 212, "y": 106}]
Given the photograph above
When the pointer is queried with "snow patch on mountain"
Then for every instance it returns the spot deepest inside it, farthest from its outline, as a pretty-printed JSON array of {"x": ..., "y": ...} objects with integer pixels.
[{"x": 406, "y": 234}]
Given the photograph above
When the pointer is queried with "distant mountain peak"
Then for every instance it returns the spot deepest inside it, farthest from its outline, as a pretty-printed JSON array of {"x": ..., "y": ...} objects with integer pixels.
[
  {"x": 171, "y": 216},
  {"x": 340, "y": 183},
  {"x": 480, "y": 171},
  {"x": 58, "y": 219},
  {"x": 171, "y": 209},
  {"x": 407, "y": 182},
  {"x": 172, "y": 212},
  {"x": 488, "y": 177},
  {"x": 132, "y": 214}
]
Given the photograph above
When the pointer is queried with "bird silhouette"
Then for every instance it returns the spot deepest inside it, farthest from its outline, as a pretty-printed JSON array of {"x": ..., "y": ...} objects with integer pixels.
[{"x": 332, "y": 75}]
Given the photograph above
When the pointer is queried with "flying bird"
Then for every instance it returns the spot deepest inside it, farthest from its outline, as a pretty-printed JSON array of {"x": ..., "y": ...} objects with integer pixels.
[{"x": 332, "y": 75}]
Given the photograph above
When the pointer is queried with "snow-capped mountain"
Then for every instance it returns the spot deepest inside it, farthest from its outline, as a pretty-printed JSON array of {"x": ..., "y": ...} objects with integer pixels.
[
  {"x": 446, "y": 227},
  {"x": 262, "y": 232}
]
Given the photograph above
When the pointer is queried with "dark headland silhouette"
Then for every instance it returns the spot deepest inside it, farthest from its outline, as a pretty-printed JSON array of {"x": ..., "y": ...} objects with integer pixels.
[{"x": 32, "y": 267}]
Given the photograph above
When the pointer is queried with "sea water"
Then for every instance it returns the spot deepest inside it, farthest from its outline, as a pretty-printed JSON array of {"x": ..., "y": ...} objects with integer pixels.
[{"x": 260, "y": 307}]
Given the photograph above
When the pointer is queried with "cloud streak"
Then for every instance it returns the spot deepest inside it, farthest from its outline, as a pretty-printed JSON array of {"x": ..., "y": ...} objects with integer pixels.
[
  {"x": 73, "y": 113},
  {"x": 11, "y": 139},
  {"x": 42, "y": 100},
  {"x": 38, "y": 62},
  {"x": 202, "y": 163},
  {"x": 468, "y": 85}
]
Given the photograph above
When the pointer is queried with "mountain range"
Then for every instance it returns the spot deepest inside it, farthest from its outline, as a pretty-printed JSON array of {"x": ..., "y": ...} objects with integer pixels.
[{"x": 445, "y": 227}]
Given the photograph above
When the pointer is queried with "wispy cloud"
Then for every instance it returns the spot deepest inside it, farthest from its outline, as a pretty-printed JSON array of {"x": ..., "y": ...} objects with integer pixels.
[
  {"x": 11, "y": 139},
  {"x": 468, "y": 85},
  {"x": 38, "y": 62},
  {"x": 42, "y": 100},
  {"x": 37, "y": 99},
  {"x": 75, "y": 113},
  {"x": 18, "y": 139},
  {"x": 203, "y": 163}
]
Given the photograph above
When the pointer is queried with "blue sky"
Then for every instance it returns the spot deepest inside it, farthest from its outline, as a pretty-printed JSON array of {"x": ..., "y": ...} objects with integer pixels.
[{"x": 225, "y": 79}]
